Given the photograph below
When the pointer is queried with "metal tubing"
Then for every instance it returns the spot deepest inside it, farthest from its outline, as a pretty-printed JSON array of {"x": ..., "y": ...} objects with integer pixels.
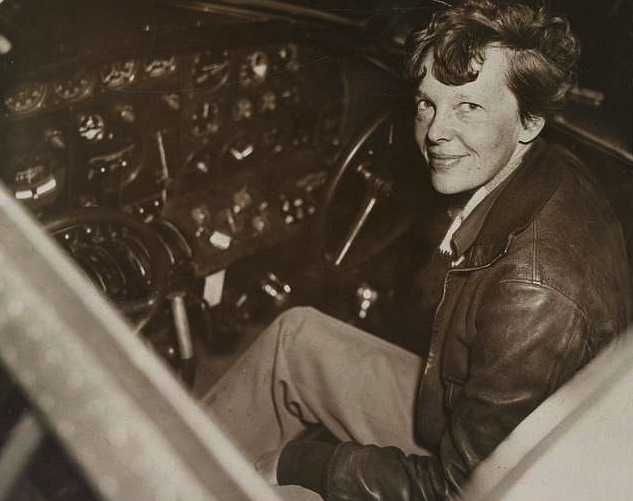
[{"x": 25, "y": 438}]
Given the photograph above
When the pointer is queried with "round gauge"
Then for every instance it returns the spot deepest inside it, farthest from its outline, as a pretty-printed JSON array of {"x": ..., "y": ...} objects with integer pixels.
[
  {"x": 205, "y": 119},
  {"x": 74, "y": 88},
  {"x": 254, "y": 69},
  {"x": 160, "y": 67},
  {"x": 242, "y": 109},
  {"x": 288, "y": 57},
  {"x": 267, "y": 101},
  {"x": 37, "y": 178},
  {"x": 118, "y": 74},
  {"x": 26, "y": 98},
  {"x": 210, "y": 69},
  {"x": 91, "y": 127}
]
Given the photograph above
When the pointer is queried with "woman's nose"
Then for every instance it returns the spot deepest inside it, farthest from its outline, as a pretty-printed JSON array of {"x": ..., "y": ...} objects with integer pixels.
[{"x": 440, "y": 127}]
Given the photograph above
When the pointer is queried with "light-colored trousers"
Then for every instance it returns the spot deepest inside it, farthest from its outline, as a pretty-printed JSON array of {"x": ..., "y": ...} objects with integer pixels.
[{"x": 306, "y": 368}]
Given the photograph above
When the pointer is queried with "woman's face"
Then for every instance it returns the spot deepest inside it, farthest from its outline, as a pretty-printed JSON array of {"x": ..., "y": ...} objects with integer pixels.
[{"x": 468, "y": 133}]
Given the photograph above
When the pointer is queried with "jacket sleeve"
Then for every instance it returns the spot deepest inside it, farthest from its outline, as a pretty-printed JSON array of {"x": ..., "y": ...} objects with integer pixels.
[{"x": 529, "y": 340}]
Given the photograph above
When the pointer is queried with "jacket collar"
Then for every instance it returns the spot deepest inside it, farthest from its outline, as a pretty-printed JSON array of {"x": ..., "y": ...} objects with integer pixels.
[{"x": 514, "y": 207}]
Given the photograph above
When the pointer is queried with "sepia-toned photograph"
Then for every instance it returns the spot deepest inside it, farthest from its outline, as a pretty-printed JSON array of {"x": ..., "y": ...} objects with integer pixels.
[{"x": 303, "y": 250}]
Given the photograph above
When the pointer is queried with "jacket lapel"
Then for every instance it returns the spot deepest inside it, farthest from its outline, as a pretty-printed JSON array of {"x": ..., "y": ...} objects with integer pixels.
[{"x": 529, "y": 188}]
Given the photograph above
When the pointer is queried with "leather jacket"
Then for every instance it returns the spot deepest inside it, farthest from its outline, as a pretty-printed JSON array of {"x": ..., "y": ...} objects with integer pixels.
[{"x": 544, "y": 284}]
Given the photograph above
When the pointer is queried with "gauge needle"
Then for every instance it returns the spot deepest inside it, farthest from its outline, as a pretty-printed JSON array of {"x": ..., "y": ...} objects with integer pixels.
[{"x": 214, "y": 67}]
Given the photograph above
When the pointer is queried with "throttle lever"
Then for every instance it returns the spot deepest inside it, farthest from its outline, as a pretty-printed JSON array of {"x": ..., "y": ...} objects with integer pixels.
[{"x": 377, "y": 187}]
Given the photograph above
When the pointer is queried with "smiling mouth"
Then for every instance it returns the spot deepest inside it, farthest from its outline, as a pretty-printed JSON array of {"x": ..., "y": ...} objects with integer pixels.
[{"x": 439, "y": 161}]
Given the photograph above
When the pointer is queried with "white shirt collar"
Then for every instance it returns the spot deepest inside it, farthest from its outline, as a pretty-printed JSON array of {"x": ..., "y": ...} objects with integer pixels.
[{"x": 477, "y": 197}]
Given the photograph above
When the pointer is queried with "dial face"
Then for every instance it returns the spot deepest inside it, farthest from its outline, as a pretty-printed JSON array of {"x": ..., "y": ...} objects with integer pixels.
[
  {"x": 160, "y": 67},
  {"x": 36, "y": 179},
  {"x": 254, "y": 69},
  {"x": 118, "y": 74},
  {"x": 210, "y": 69},
  {"x": 26, "y": 98},
  {"x": 91, "y": 127},
  {"x": 74, "y": 88}
]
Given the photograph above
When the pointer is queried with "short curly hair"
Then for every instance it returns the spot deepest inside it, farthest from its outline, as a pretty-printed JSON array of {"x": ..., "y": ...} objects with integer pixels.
[{"x": 542, "y": 63}]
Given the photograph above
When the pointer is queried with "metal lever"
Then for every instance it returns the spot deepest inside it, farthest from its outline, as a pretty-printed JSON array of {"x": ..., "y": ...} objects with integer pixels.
[
  {"x": 183, "y": 333},
  {"x": 377, "y": 187},
  {"x": 370, "y": 202}
]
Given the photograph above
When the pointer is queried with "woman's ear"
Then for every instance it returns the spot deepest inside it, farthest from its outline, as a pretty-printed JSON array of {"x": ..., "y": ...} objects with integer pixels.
[{"x": 530, "y": 129}]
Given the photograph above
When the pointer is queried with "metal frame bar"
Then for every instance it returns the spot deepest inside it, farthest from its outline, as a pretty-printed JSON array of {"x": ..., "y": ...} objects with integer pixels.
[{"x": 114, "y": 407}]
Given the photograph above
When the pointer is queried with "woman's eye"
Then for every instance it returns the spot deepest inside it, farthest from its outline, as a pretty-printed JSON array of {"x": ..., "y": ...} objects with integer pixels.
[
  {"x": 424, "y": 105},
  {"x": 468, "y": 107}
]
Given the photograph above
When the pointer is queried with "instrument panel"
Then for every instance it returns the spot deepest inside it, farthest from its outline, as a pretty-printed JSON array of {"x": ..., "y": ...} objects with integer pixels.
[
  {"x": 183, "y": 136},
  {"x": 207, "y": 69}
]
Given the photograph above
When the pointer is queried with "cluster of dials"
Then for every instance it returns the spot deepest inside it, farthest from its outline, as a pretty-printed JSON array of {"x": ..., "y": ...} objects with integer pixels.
[
  {"x": 213, "y": 68},
  {"x": 247, "y": 71},
  {"x": 208, "y": 114},
  {"x": 27, "y": 98},
  {"x": 209, "y": 70}
]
